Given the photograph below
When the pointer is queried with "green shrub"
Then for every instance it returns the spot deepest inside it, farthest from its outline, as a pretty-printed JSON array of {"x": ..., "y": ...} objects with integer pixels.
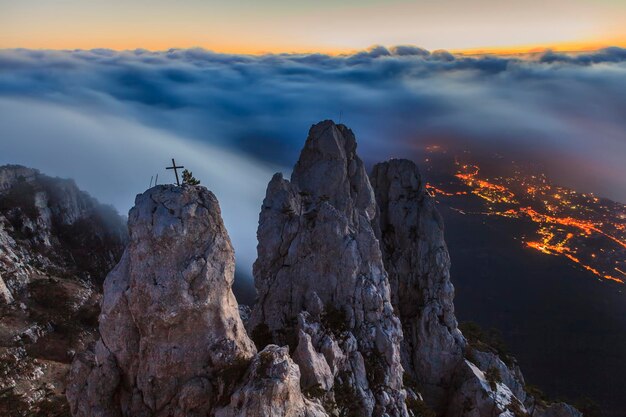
[
  {"x": 347, "y": 401},
  {"x": 189, "y": 179},
  {"x": 314, "y": 392},
  {"x": 232, "y": 373},
  {"x": 409, "y": 382},
  {"x": 375, "y": 367},
  {"x": 516, "y": 408},
  {"x": 21, "y": 196},
  {"x": 539, "y": 396},
  {"x": 588, "y": 407},
  {"x": 288, "y": 335}
]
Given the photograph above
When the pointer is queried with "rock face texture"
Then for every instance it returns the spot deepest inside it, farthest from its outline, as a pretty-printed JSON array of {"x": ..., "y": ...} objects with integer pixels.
[
  {"x": 56, "y": 246},
  {"x": 322, "y": 286},
  {"x": 170, "y": 324},
  {"x": 479, "y": 395},
  {"x": 486, "y": 386},
  {"x": 410, "y": 231},
  {"x": 5, "y": 295}
]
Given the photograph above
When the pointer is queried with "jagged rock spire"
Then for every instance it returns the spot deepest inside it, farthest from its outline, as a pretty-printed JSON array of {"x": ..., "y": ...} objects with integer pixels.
[
  {"x": 321, "y": 279},
  {"x": 173, "y": 343}
]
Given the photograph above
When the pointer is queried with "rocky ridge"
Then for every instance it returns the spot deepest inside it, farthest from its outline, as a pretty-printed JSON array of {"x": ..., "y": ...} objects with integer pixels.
[
  {"x": 354, "y": 316},
  {"x": 50, "y": 225},
  {"x": 56, "y": 246}
]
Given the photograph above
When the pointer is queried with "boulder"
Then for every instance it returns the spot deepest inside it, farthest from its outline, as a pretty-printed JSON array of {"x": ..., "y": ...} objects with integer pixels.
[{"x": 271, "y": 387}]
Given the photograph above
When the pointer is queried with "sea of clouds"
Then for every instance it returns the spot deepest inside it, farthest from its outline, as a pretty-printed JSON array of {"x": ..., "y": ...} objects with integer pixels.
[{"x": 112, "y": 120}]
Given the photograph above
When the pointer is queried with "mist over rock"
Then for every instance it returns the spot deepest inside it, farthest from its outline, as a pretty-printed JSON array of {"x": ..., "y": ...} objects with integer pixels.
[
  {"x": 321, "y": 281},
  {"x": 50, "y": 224},
  {"x": 410, "y": 231}
]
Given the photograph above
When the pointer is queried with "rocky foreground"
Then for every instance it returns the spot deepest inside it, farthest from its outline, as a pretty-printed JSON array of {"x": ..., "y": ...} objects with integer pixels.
[{"x": 354, "y": 316}]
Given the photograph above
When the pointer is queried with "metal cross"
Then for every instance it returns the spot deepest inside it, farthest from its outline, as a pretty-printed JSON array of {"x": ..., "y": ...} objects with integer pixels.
[{"x": 175, "y": 168}]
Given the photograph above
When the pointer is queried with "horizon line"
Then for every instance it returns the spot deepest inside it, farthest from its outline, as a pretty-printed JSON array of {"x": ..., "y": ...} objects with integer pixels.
[{"x": 565, "y": 47}]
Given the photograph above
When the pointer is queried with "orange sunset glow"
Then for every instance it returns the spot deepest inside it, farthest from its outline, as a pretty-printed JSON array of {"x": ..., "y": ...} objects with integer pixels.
[{"x": 304, "y": 27}]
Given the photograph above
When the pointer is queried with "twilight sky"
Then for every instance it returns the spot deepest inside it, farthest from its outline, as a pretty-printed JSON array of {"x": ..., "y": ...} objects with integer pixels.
[{"x": 253, "y": 26}]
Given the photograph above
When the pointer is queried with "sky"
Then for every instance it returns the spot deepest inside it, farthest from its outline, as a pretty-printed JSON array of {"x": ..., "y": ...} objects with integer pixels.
[
  {"x": 253, "y": 26},
  {"x": 114, "y": 119}
]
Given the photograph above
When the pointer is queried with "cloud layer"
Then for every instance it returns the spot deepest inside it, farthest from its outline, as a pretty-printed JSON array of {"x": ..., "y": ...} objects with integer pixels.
[{"x": 113, "y": 119}]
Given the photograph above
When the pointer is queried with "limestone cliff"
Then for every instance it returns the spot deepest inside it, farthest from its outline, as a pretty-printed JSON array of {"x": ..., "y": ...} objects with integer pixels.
[
  {"x": 456, "y": 378},
  {"x": 50, "y": 225}
]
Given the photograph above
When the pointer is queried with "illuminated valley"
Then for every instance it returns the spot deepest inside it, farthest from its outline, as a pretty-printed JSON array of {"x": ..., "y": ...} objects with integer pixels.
[{"x": 582, "y": 228}]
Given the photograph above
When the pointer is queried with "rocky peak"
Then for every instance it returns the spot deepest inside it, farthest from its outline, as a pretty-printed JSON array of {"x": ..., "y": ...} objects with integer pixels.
[
  {"x": 456, "y": 378},
  {"x": 340, "y": 264},
  {"x": 410, "y": 231},
  {"x": 271, "y": 387},
  {"x": 329, "y": 169},
  {"x": 170, "y": 327},
  {"x": 321, "y": 281}
]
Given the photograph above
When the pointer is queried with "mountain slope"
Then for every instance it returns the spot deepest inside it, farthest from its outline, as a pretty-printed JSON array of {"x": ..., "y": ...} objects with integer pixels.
[{"x": 56, "y": 245}]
